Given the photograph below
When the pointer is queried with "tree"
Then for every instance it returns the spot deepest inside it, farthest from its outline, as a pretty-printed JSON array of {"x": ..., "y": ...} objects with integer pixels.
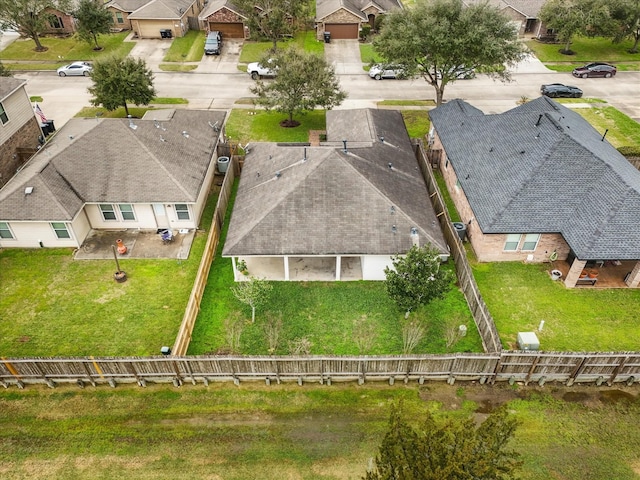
[
  {"x": 416, "y": 278},
  {"x": 304, "y": 81},
  {"x": 253, "y": 292},
  {"x": 452, "y": 449},
  {"x": 273, "y": 19},
  {"x": 574, "y": 17},
  {"x": 92, "y": 20},
  {"x": 625, "y": 15},
  {"x": 118, "y": 80},
  {"x": 30, "y": 17},
  {"x": 441, "y": 40}
]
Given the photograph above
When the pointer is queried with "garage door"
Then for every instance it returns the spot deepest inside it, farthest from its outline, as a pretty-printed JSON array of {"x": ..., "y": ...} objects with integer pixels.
[
  {"x": 342, "y": 30},
  {"x": 228, "y": 30}
]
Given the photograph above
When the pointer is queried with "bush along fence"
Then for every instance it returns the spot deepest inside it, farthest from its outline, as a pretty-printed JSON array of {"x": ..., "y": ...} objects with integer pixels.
[{"x": 507, "y": 366}]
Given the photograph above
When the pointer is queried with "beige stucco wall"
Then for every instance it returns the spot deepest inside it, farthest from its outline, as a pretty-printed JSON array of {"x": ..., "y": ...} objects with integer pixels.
[
  {"x": 151, "y": 28},
  {"x": 490, "y": 247},
  {"x": 29, "y": 234}
]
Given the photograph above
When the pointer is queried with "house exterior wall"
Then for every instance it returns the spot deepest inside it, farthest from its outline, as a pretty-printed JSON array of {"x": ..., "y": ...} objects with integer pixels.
[
  {"x": 490, "y": 247},
  {"x": 517, "y": 18},
  {"x": 224, "y": 15},
  {"x": 126, "y": 23},
  {"x": 67, "y": 20},
  {"x": 198, "y": 208},
  {"x": 339, "y": 16},
  {"x": 143, "y": 213},
  {"x": 30, "y": 234},
  {"x": 21, "y": 131},
  {"x": 373, "y": 266}
]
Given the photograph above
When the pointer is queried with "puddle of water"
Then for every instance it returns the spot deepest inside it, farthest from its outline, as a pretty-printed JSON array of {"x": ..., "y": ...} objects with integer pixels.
[{"x": 616, "y": 396}]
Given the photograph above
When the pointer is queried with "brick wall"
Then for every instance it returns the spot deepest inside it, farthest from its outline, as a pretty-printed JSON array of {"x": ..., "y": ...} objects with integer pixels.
[
  {"x": 10, "y": 159},
  {"x": 225, "y": 15},
  {"x": 490, "y": 247}
]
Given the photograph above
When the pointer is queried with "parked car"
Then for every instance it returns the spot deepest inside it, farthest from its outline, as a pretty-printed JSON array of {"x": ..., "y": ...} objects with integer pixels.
[
  {"x": 75, "y": 68},
  {"x": 213, "y": 43},
  {"x": 387, "y": 71},
  {"x": 595, "y": 69},
  {"x": 555, "y": 90},
  {"x": 258, "y": 71}
]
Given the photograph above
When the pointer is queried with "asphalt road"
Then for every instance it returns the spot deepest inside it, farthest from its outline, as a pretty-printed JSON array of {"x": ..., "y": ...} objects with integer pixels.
[{"x": 63, "y": 97}]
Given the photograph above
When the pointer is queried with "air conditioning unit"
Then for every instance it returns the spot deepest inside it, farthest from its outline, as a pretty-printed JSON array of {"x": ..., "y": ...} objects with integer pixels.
[{"x": 528, "y": 341}]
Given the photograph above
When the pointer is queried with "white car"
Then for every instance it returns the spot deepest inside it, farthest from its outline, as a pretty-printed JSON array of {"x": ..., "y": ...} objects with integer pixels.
[
  {"x": 386, "y": 71},
  {"x": 258, "y": 71},
  {"x": 75, "y": 68}
]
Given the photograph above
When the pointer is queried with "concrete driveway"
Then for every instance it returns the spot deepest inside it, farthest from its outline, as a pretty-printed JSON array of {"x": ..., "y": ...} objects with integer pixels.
[{"x": 344, "y": 55}]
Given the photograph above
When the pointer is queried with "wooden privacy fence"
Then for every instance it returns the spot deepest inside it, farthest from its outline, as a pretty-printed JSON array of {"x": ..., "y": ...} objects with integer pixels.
[
  {"x": 483, "y": 319},
  {"x": 183, "y": 338},
  {"x": 510, "y": 366}
]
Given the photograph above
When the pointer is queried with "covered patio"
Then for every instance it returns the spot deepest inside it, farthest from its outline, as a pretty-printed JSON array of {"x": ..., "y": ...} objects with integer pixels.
[
  {"x": 301, "y": 269},
  {"x": 608, "y": 274},
  {"x": 139, "y": 243}
]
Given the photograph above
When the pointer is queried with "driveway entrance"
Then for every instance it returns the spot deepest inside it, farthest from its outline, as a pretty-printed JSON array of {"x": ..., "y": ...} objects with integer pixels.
[{"x": 344, "y": 55}]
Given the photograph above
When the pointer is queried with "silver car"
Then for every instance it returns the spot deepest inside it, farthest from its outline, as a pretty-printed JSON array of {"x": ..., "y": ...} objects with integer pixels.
[
  {"x": 386, "y": 71},
  {"x": 75, "y": 68}
]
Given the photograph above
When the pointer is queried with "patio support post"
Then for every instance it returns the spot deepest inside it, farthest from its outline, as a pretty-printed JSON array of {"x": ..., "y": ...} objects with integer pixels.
[
  {"x": 633, "y": 280},
  {"x": 235, "y": 269},
  {"x": 286, "y": 268},
  {"x": 338, "y": 267},
  {"x": 574, "y": 273}
]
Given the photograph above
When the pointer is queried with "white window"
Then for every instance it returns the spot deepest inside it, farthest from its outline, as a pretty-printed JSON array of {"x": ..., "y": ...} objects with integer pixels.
[
  {"x": 182, "y": 211},
  {"x": 3, "y": 114},
  {"x": 5, "y": 231},
  {"x": 60, "y": 229},
  {"x": 126, "y": 210},
  {"x": 530, "y": 241},
  {"x": 513, "y": 240},
  {"x": 108, "y": 212}
]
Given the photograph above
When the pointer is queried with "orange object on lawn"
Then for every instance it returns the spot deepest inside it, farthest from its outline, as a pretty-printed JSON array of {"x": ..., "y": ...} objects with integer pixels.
[{"x": 122, "y": 248}]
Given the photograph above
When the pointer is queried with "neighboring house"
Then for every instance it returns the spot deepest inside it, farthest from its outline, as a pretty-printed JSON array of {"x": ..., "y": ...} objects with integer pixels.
[
  {"x": 121, "y": 9},
  {"x": 165, "y": 18},
  {"x": 95, "y": 173},
  {"x": 20, "y": 132},
  {"x": 223, "y": 16},
  {"x": 338, "y": 211},
  {"x": 523, "y": 14},
  {"x": 539, "y": 182},
  {"x": 61, "y": 20},
  {"x": 344, "y": 18}
]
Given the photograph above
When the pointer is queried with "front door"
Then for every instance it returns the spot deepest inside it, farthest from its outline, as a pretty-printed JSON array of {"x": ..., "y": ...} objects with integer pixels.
[{"x": 161, "y": 215}]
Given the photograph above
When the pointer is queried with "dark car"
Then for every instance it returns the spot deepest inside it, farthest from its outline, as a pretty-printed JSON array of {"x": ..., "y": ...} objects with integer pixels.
[
  {"x": 595, "y": 69},
  {"x": 555, "y": 90},
  {"x": 213, "y": 43}
]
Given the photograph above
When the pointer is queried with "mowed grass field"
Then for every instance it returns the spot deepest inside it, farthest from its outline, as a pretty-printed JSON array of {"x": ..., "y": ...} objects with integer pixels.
[{"x": 276, "y": 432}]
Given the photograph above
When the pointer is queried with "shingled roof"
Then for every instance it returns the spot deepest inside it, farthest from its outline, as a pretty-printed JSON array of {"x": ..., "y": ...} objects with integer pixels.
[
  {"x": 295, "y": 200},
  {"x": 327, "y": 7},
  {"x": 107, "y": 161},
  {"x": 162, "y": 10},
  {"x": 542, "y": 168}
]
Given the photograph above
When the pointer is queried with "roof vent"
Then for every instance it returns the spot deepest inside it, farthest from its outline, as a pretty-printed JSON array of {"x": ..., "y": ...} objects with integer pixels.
[
  {"x": 344, "y": 148},
  {"x": 28, "y": 190},
  {"x": 185, "y": 134},
  {"x": 132, "y": 125},
  {"x": 390, "y": 165},
  {"x": 394, "y": 229},
  {"x": 278, "y": 174}
]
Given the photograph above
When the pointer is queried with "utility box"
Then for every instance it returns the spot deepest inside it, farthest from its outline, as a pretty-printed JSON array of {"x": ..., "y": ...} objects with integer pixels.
[{"x": 528, "y": 341}]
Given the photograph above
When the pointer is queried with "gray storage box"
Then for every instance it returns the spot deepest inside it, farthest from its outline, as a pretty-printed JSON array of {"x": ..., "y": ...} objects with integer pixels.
[{"x": 528, "y": 341}]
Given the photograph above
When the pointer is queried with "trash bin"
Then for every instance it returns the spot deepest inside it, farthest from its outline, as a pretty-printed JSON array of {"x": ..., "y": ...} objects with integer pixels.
[
  {"x": 327, "y": 37},
  {"x": 461, "y": 228},
  {"x": 223, "y": 164},
  {"x": 166, "y": 33}
]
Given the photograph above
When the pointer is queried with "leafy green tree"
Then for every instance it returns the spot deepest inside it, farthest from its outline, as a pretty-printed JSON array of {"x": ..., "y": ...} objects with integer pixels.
[
  {"x": 30, "y": 17},
  {"x": 575, "y": 17},
  {"x": 304, "y": 81},
  {"x": 441, "y": 40},
  {"x": 118, "y": 80},
  {"x": 253, "y": 292},
  {"x": 272, "y": 19},
  {"x": 451, "y": 449},
  {"x": 92, "y": 20},
  {"x": 4, "y": 71},
  {"x": 625, "y": 15},
  {"x": 416, "y": 278}
]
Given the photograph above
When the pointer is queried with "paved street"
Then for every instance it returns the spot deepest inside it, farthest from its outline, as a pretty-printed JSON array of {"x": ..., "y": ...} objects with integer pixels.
[{"x": 217, "y": 83}]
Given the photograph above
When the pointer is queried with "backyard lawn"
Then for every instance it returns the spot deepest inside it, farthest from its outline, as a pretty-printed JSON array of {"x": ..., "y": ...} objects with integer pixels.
[{"x": 254, "y": 432}]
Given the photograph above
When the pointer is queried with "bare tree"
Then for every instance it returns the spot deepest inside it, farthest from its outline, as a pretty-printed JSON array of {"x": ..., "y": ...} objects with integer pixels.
[
  {"x": 412, "y": 332},
  {"x": 233, "y": 326},
  {"x": 253, "y": 292},
  {"x": 273, "y": 330},
  {"x": 454, "y": 330},
  {"x": 364, "y": 334}
]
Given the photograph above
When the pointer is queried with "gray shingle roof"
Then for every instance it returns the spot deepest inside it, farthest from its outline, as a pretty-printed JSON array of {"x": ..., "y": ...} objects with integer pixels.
[
  {"x": 334, "y": 202},
  {"x": 214, "y": 6},
  {"x": 107, "y": 161},
  {"x": 529, "y": 8},
  {"x": 542, "y": 168},
  {"x": 162, "y": 9},
  {"x": 327, "y": 7},
  {"x": 8, "y": 85},
  {"x": 126, "y": 5}
]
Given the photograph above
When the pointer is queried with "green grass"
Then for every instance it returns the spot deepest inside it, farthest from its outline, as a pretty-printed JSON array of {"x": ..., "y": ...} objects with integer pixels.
[
  {"x": 586, "y": 50},
  {"x": 451, "y": 207},
  {"x": 135, "y": 112},
  {"x": 65, "y": 50},
  {"x": 580, "y": 100},
  {"x": 170, "y": 101},
  {"x": 245, "y": 125},
  {"x": 189, "y": 48},
  {"x": 62, "y": 307},
  {"x": 416, "y": 103},
  {"x": 368, "y": 54},
  {"x": 311, "y": 433},
  {"x": 623, "y": 130},
  {"x": 520, "y": 295},
  {"x": 417, "y": 122},
  {"x": 177, "y": 67},
  {"x": 253, "y": 51}
]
